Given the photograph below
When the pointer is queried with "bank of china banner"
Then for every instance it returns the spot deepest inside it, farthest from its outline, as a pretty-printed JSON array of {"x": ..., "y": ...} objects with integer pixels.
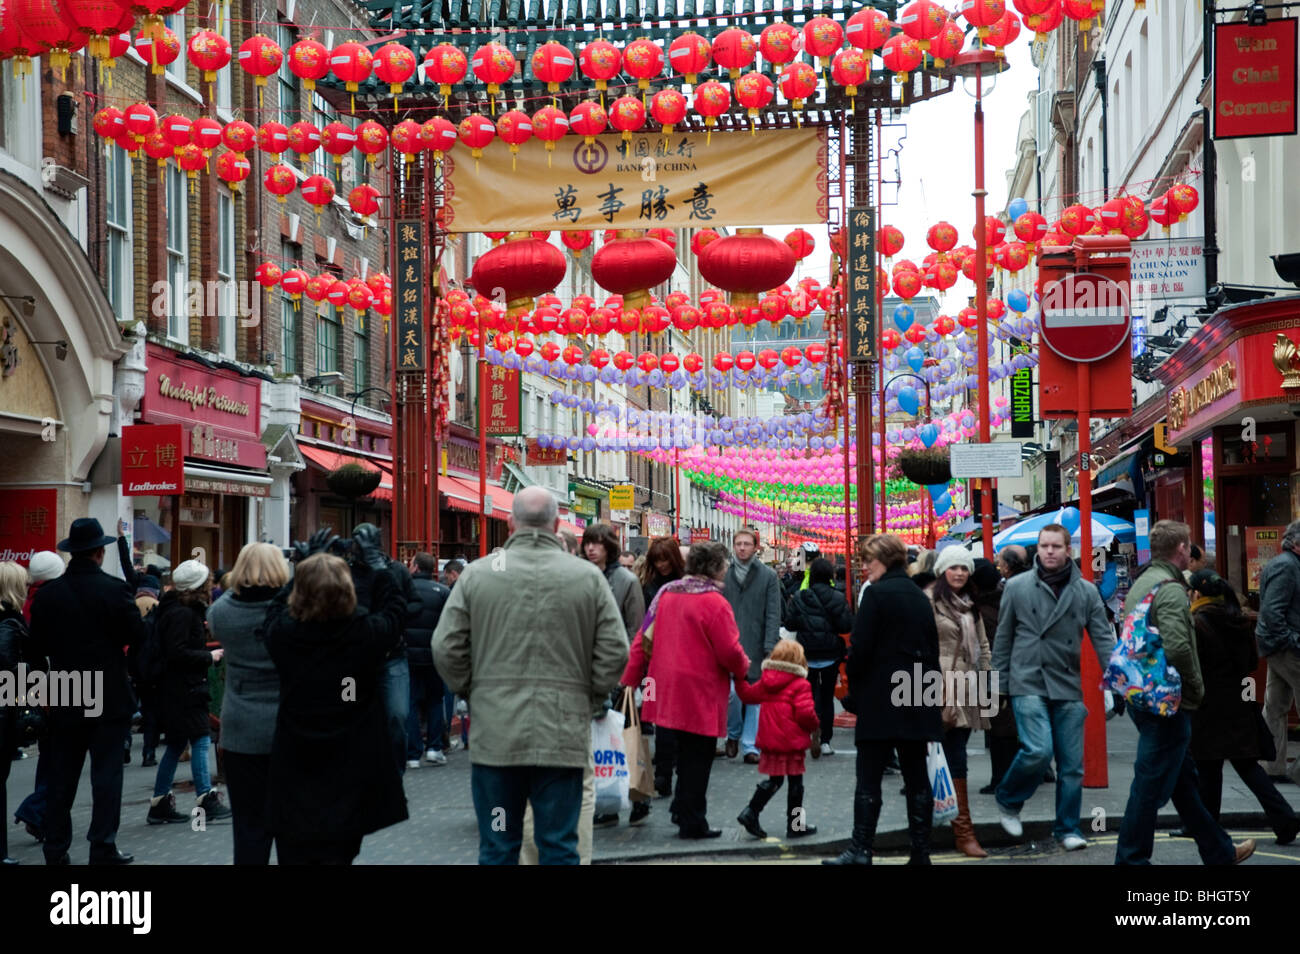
[{"x": 776, "y": 177}]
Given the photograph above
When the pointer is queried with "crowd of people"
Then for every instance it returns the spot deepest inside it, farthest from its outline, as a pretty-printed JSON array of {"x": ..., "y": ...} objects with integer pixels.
[{"x": 339, "y": 668}]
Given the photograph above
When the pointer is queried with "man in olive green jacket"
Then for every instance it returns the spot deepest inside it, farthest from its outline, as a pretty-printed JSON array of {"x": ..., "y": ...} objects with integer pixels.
[
  {"x": 1163, "y": 768},
  {"x": 533, "y": 639}
]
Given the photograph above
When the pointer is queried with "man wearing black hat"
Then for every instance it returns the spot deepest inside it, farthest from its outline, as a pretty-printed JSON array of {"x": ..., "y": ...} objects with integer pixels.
[{"x": 83, "y": 622}]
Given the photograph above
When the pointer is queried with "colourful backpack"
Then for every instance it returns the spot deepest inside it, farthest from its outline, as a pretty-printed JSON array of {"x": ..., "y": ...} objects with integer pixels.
[{"x": 1138, "y": 669}]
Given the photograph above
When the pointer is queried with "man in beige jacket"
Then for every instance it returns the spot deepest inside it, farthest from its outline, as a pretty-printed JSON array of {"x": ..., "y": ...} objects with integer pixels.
[{"x": 534, "y": 640}]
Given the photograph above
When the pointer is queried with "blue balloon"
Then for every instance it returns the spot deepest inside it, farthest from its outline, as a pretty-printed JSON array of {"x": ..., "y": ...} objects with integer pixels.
[
  {"x": 928, "y": 433},
  {"x": 908, "y": 400},
  {"x": 1016, "y": 208},
  {"x": 915, "y": 358},
  {"x": 904, "y": 316},
  {"x": 942, "y": 504},
  {"x": 1017, "y": 301}
]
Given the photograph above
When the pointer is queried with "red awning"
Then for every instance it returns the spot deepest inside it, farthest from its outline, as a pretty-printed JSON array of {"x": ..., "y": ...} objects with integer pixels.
[
  {"x": 328, "y": 460},
  {"x": 462, "y": 494}
]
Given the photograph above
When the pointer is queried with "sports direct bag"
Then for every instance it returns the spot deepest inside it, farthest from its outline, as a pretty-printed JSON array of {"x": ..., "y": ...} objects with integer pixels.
[
  {"x": 1138, "y": 669},
  {"x": 610, "y": 757},
  {"x": 945, "y": 793}
]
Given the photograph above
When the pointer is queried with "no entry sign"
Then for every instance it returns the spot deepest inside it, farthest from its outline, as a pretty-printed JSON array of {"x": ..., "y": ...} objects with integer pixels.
[{"x": 1085, "y": 317}]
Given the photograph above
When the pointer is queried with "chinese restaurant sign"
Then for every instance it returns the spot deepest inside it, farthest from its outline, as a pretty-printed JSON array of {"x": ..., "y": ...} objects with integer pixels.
[
  {"x": 546, "y": 456},
  {"x": 408, "y": 295},
  {"x": 1254, "y": 79},
  {"x": 684, "y": 181},
  {"x": 29, "y": 523},
  {"x": 153, "y": 460},
  {"x": 502, "y": 405},
  {"x": 219, "y": 411},
  {"x": 861, "y": 277}
]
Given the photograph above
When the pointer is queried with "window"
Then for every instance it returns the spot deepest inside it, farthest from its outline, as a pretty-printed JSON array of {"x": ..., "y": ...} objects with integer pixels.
[
  {"x": 327, "y": 343},
  {"x": 117, "y": 174},
  {"x": 289, "y": 256},
  {"x": 176, "y": 68},
  {"x": 322, "y": 161},
  {"x": 289, "y": 105},
  {"x": 178, "y": 264},
  {"x": 222, "y": 86},
  {"x": 361, "y": 356},
  {"x": 226, "y": 273}
]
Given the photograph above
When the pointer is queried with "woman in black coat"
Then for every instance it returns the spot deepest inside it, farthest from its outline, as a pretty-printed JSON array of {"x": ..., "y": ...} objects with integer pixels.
[
  {"x": 893, "y": 659},
  {"x": 663, "y": 564},
  {"x": 1226, "y": 726},
  {"x": 817, "y": 616},
  {"x": 333, "y": 778},
  {"x": 182, "y": 698},
  {"x": 15, "y": 648}
]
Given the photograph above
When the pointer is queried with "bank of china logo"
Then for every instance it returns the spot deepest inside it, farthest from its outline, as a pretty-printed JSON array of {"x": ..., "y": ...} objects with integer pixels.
[{"x": 590, "y": 159}]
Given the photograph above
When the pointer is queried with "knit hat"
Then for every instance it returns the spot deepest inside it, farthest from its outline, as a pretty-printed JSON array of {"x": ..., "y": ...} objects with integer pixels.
[
  {"x": 45, "y": 565},
  {"x": 951, "y": 557},
  {"x": 190, "y": 575},
  {"x": 148, "y": 584}
]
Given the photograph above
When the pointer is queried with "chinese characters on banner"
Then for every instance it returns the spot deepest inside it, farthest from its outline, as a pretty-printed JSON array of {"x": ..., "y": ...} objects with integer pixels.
[
  {"x": 408, "y": 295},
  {"x": 502, "y": 404},
  {"x": 29, "y": 523},
  {"x": 860, "y": 271},
  {"x": 1022, "y": 394},
  {"x": 153, "y": 460},
  {"x": 1166, "y": 269},
  {"x": 682, "y": 181}
]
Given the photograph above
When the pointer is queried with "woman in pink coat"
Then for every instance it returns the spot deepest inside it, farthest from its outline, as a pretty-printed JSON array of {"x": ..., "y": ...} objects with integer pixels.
[{"x": 686, "y": 651}]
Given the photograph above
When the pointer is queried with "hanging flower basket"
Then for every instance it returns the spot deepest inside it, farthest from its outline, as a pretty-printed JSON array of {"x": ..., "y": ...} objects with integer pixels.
[
  {"x": 925, "y": 467},
  {"x": 352, "y": 480}
]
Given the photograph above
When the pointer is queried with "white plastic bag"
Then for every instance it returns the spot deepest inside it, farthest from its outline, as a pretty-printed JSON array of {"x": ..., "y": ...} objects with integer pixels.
[
  {"x": 945, "y": 794},
  {"x": 610, "y": 758}
]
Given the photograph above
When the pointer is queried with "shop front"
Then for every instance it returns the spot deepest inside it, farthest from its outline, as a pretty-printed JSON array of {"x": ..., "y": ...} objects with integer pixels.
[
  {"x": 586, "y": 504},
  {"x": 459, "y": 502},
  {"x": 1233, "y": 394},
  {"x": 227, "y": 481}
]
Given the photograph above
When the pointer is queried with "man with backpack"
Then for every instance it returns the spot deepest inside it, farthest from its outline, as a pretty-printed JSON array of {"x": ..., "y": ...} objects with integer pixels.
[
  {"x": 426, "y": 685},
  {"x": 818, "y": 616},
  {"x": 1164, "y": 768}
]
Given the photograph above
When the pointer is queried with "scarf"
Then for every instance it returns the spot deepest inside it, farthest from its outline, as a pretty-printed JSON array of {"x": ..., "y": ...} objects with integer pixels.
[
  {"x": 687, "y": 584},
  {"x": 1203, "y": 601},
  {"x": 742, "y": 568},
  {"x": 1056, "y": 579},
  {"x": 970, "y": 640}
]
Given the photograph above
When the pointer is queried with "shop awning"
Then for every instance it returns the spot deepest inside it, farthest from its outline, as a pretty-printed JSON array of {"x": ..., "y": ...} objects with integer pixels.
[
  {"x": 218, "y": 480},
  {"x": 462, "y": 494},
  {"x": 328, "y": 460}
]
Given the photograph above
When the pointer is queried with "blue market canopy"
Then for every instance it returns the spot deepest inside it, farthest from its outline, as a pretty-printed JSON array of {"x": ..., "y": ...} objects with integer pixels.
[{"x": 1105, "y": 529}]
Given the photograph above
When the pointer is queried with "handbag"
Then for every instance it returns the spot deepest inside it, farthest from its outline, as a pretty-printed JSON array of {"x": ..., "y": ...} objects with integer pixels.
[
  {"x": 941, "y": 784},
  {"x": 641, "y": 776},
  {"x": 30, "y": 725},
  {"x": 1138, "y": 669}
]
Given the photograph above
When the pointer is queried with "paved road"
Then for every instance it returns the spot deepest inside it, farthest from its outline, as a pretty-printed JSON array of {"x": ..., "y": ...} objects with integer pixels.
[{"x": 442, "y": 827}]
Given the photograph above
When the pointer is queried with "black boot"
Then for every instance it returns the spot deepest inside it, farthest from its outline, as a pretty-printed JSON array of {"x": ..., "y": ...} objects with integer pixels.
[
  {"x": 866, "y": 813},
  {"x": 796, "y": 825},
  {"x": 762, "y": 795},
  {"x": 920, "y": 816}
]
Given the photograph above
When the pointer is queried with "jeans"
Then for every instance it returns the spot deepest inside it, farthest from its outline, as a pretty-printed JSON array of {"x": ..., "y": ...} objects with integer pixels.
[
  {"x": 500, "y": 794},
  {"x": 396, "y": 687},
  {"x": 426, "y": 703},
  {"x": 954, "y": 750},
  {"x": 742, "y": 723},
  {"x": 248, "y": 785},
  {"x": 823, "y": 688},
  {"x": 68, "y": 746},
  {"x": 1163, "y": 770},
  {"x": 32, "y": 809},
  {"x": 1046, "y": 726},
  {"x": 199, "y": 746}
]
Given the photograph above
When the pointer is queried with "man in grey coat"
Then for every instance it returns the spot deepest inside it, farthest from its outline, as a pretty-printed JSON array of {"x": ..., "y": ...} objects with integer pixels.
[
  {"x": 534, "y": 640},
  {"x": 1278, "y": 635},
  {"x": 754, "y": 592},
  {"x": 1036, "y": 654}
]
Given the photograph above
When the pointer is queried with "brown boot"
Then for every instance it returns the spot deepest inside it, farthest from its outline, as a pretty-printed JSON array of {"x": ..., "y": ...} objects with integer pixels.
[{"x": 963, "y": 832}]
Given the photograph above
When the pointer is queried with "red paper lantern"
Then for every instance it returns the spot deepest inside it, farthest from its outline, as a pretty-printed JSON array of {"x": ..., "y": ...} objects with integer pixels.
[
  {"x": 850, "y": 69},
  {"x": 294, "y": 282},
  {"x": 445, "y": 65},
  {"x": 205, "y": 132},
  {"x": 233, "y": 168},
  {"x": 318, "y": 191},
  {"x": 1003, "y": 33},
  {"x": 907, "y": 284},
  {"x": 337, "y": 292},
  {"x": 982, "y": 14},
  {"x": 477, "y": 132},
  {"x": 901, "y": 54},
  {"x": 15, "y": 43},
  {"x": 260, "y": 57},
  {"x": 994, "y": 231},
  {"x": 867, "y": 29},
  {"x": 627, "y": 114},
  {"x": 1077, "y": 219},
  {"x": 700, "y": 240},
  {"x": 279, "y": 181},
  {"x": 109, "y": 123},
  {"x": 98, "y": 20},
  {"x": 693, "y": 363},
  {"x": 745, "y": 361},
  {"x": 588, "y": 120},
  {"x": 890, "y": 239},
  {"x": 304, "y": 138},
  {"x": 627, "y": 321},
  {"x": 553, "y": 63},
  {"x": 1082, "y": 11},
  {"x": 1184, "y": 199},
  {"x": 309, "y": 60},
  {"x": 600, "y": 62},
  {"x": 1051, "y": 17},
  {"x": 815, "y": 353},
  {"x": 190, "y": 159},
  {"x": 915, "y": 334},
  {"x": 724, "y": 362},
  {"x": 922, "y": 20},
  {"x": 779, "y": 44},
  {"x": 48, "y": 23},
  {"x": 801, "y": 243},
  {"x": 1030, "y": 227},
  {"x": 575, "y": 240},
  {"x": 515, "y": 128},
  {"x": 689, "y": 55},
  {"x": 160, "y": 52},
  {"x": 631, "y": 264},
  {"x": 712, "y": 100},
  {"x": 624, "y": 360},
  {"x": 438, "y": 135},
  {"x": 822, "y": 37},
  {"x": 394, "y": 64},
  {"x": 272, "y": 138},
  {"x": 669, "y": 363},
  {"x": 176, "y": 130},
  {"x": 890, "y": 339},
  {"x": 268, "y": 273},
  {"x": 944, "y": 325},
  {"x": 754, "y": 91},
  {"x": 798, "y": 83},
  {"x": 734, "y": 49},
  {"x": 359, "y": 296},
  {"x": 746, "y": 263},
  {"x": 364, "y": 199},
  {"x": 643, "y": 60},
  {"x": 773, "y": 308},
  {"x": 668, "y": 107},
  {"x": 801, "y": 303},
  {"x": 351, "y": 63},
  {"x": 686, "y": 318},
  {"x": 372, "y": 139},
  {"x": 1017, "y": 256},
  {"x": 550, "y": 125},
  {"x": 522, "y": 268},
  {"x": 947, "y": 44},
  {"x": 942, "y": 237},
  {"x": 209, "y": 51}
]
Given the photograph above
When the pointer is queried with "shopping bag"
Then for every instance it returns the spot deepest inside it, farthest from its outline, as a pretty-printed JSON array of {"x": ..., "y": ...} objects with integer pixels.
[
  {"x": 945, "y": 794},
  {"x": 610, "y": 758},
  {"x": 641, "y": 776}
]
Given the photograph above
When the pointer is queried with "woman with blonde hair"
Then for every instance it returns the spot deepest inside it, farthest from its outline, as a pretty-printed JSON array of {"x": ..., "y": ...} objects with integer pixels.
[
  {"x": 15, "y": 640},
  {"x": 252, "y": 696},
  {"x": 332, "y": 779}
]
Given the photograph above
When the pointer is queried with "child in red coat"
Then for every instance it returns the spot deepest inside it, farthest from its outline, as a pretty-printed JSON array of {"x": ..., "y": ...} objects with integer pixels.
[{"x": 786, "y": 718}]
